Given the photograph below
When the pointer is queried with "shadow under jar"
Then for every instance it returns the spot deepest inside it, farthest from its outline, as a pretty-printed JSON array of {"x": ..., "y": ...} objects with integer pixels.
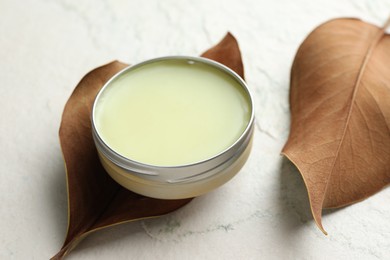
[{"x": 173, "y": 127}]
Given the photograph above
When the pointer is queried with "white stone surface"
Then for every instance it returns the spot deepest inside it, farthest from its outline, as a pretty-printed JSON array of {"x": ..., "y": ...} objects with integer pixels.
[{"x": 263, "y": 213}]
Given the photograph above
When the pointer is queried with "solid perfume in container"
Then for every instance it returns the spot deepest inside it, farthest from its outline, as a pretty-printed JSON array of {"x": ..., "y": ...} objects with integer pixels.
[{"x": 173, "y": 127}]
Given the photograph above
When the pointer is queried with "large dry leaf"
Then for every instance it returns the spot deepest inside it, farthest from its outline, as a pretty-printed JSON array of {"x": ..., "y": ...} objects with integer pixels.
[
  {"x": 95, "y": 201},
  {"x": 340, "y": 112}
]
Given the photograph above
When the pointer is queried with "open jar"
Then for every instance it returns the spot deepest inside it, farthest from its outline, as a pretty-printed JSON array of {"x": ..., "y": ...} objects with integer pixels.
[{"x": 173, "y": 127}]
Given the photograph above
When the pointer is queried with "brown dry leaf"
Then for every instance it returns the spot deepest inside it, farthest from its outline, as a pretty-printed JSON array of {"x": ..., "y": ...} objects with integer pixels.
[
  {"x": 228, "y": 53},
  {"x": 95, "y": 201},
  {"x": 340, "y": 113}
]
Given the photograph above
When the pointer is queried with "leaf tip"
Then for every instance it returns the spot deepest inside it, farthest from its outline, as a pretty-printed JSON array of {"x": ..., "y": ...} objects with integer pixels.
[
  {"x": 317, "y": 215},
  {"x": 319, "y": 225}
]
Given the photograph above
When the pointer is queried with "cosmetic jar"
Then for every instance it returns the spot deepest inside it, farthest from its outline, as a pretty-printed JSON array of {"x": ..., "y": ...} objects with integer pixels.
[{"x": 173, "y": 127}]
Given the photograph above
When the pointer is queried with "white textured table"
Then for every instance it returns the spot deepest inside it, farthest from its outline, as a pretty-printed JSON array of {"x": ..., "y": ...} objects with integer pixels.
[{"x": 263, "y": 213}]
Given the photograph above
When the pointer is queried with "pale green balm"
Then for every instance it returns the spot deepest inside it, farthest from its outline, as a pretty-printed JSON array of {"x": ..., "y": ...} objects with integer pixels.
[{"x": 172, "y": 112}]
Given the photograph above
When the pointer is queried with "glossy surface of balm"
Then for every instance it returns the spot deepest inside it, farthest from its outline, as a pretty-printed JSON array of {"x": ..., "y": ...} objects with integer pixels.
[{"x": 172, "y": 112}]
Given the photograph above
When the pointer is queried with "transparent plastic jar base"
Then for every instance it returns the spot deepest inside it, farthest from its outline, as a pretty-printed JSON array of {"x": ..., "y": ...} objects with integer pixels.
[{"x": 183, "y": 181}]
